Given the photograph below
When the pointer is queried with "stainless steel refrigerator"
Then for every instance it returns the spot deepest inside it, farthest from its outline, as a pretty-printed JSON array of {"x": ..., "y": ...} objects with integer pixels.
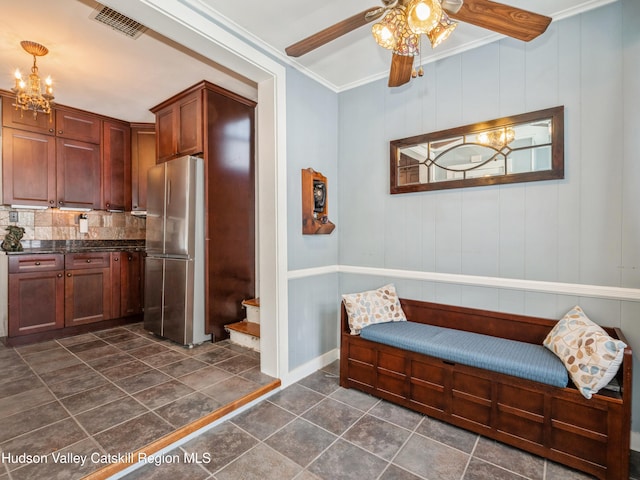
[{"x": 174, "y": 263}]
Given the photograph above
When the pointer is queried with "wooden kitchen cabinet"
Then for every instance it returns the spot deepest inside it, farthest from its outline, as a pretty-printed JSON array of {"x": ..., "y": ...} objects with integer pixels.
[
  {"x": 116, "y": 166},
  {"x": 131, "y": 283},
  {"x": 78, "y": 125},
  {"x": 87, "y": 288},
  {"x": 179, "y": 126},
  {"x": 78, "y": 174},
  {"x": 36, "y": 293},
  {"x": 143, "y": 157},
  {"x": 28, "y": 168},
  {"x": 22, "y": 120}
]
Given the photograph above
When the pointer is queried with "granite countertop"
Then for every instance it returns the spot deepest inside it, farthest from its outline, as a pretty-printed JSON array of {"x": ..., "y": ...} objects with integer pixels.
[{"x": 75, "y": 246}]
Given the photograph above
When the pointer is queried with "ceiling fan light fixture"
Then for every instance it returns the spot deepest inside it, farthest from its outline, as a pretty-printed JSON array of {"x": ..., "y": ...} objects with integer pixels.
[
  {"x": 384, "y": 32},
  {"x": 423, "y": 15},
  {"x": 441, "y": 31}
]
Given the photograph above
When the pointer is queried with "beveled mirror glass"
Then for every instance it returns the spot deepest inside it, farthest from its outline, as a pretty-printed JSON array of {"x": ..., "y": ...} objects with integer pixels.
[{"x": 520, "y": 148}]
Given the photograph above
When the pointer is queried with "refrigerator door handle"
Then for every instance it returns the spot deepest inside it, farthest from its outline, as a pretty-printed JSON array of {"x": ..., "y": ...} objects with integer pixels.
[{"x": 169, "y": 192}]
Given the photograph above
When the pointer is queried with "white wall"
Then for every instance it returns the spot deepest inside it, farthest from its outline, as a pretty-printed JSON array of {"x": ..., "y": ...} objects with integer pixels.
[{"x": 582, "y": 232}]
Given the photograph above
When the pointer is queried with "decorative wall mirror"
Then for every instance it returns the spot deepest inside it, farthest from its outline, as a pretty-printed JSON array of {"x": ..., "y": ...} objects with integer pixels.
[{"x": 520, "y": 148}]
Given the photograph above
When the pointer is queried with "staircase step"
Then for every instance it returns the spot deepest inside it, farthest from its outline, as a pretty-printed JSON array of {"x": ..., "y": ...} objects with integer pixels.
[
  {"x": 248, "y": 328},
  {"x": 254, "y": 302}
]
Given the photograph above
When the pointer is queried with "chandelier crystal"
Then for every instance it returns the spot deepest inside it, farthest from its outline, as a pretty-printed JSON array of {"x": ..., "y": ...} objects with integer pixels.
[{"x": 32, "y": 94}]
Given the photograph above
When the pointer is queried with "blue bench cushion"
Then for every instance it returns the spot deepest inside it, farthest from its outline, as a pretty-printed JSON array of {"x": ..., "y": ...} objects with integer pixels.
[{"x": 520, "y": 359}]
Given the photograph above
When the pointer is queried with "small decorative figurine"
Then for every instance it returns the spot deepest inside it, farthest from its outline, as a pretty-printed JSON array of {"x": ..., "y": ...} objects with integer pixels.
[{"x": 11, "y": 242}]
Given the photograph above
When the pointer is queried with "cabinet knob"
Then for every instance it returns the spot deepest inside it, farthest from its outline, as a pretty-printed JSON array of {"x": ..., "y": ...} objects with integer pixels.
[
  {"x": 88, "y": 260},
  {"x": 107, "y": 204},
  {"x": 59, "y": 275},
  {"x": 51, "y": 130},
  {"x": 60, "y": 202},
  {"x": 116, "y": 259},
  {"x": 59, "y": 132},
  {"x": 130, "y": 258},
  {"x": 68, "y": 274},
  {"x": 52, "y": 202},
  {"x": 37, "y": 263}
]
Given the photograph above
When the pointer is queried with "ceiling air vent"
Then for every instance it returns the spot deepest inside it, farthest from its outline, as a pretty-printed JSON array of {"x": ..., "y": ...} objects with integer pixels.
[{"x": 118, "y": 21}]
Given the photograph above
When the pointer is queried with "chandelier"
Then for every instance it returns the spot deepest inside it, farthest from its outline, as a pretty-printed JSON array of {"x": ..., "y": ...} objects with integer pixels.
[
  {"x": 401, "y": 27},
  {"x": 30, "y": 93}
]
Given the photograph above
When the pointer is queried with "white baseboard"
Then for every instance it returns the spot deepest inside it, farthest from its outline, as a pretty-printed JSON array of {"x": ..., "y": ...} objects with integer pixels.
[{"x": 310, "y": 367}]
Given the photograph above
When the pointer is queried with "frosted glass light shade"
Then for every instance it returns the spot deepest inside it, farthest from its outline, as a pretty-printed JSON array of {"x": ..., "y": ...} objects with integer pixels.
[
  {"x": 423, "y": 15},
  {"x": 441, "y": 31}
]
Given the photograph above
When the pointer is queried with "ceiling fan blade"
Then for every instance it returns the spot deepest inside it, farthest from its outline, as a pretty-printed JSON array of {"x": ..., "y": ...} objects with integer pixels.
[
  {"x": 400, "y": 72},
  {"x": 511, "y": 21},
  {"x": 331, "y": 33}
]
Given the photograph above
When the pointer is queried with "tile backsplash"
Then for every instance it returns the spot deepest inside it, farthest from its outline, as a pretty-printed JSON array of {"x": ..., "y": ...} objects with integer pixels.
[{"x": 53, "y": 224}]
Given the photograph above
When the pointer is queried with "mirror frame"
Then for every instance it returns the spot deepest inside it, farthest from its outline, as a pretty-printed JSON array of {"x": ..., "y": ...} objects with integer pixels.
[{"x": 556, "y": 114}]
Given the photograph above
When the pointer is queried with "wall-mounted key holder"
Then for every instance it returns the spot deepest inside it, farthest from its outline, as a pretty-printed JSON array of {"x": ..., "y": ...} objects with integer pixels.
[{"x": 315, "y": 216}]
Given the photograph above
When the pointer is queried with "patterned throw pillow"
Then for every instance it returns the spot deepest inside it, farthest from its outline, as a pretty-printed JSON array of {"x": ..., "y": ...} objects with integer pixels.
[
  {"x": 373, "y": 306},
  {"x": 591, "y": 356}
]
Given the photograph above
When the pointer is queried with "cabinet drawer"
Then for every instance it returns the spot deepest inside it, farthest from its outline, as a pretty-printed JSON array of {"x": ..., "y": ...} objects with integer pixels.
[
  {"x": 75, "y": 261},
  {"x": 40, "y": 262}
]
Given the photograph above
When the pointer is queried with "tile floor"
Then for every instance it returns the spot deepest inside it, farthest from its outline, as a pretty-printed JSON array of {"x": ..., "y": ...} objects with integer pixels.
[
  {"x": 315, "y": 429},
  {"x": 110, "y": 391}
]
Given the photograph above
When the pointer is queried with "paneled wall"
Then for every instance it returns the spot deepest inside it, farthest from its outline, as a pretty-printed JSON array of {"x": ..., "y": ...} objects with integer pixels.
[{"x": 582, "y": 231}]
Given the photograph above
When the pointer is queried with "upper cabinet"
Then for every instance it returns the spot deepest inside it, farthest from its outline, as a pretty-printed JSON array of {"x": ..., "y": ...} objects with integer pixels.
[
  {"x": 143, "y": 157},
  {"x": 116, "y": 166},
  {"x": 72, "y": 159},
  {"x": 179, "y": 126}
]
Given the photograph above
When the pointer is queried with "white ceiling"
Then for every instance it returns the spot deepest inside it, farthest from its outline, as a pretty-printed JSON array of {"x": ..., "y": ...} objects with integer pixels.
[{"x": 98, "y": 69}]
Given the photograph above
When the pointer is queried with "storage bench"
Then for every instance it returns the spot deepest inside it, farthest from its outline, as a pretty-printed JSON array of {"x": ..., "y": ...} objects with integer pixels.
[{"x": 555, "y": 422}]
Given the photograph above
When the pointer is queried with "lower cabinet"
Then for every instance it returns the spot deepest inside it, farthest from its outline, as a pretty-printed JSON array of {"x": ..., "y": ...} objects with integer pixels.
[{"x": 53, "y": 291}]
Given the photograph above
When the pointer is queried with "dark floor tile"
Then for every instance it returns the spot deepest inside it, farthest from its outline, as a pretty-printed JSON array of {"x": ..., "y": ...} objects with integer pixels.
[
  {"x": 45, "y": 440},
  {"x": 164, "y": 358},
  {"x": 182, "y": 367},
  {"x": 49, "y": 360},
  {"x": 68, "y": 341},
  {"x": 99, "y": 352},
  {"x": 296, "y": 398},
  {"x": 346, "y": 461},
  {"x": 163, "y": 393},
  {"x": 142, "y": 381},
  {"x": 260, "y": 463},
  {"x": 111, "y": 332},
  {"x": 431, "y": 459},
  {"x": 396, "y": 414},
  {"x": 256, "y": 376},
  {"x": 125, "y": 370},
  {"x": 263, "y": 419},
  {"x": 59, "y": 470},
  {"x": 377, "y": 436},
  {"x": 29, "y": 420},
  {"x": 216, "y": 355},
  {"x": 110, "y": 414},
  {"x": 20, "y": 384},
  {"x": 634, "y": 464},
  {"x": 188, "y": 409},
  {"x": 25, "y": 401},
  {"x": 77, "y": 385},
  {"x": 133, "y": 434},
  {"x": 148, "y": 350},
  {"x": 333, "y": 368},
  {"x": 37, "y": 347},
  {"x": 138, "y": 342},
  {"x": 172, "y": 465},
  {"x": 104, "y": 363},
  {"x": 82, "y": 347},
  {"x": 230, "y": 390},
  {"x": 355, "y": 398},
  {"x": 204, "y": 377},
  {"x": 301, "y": 441},
  {"x": 513, "y": 459},
  {"x": 448, "y": 434},
  {"x": 64, "y": 374},
  {"x": 479, "y": 470},
  {"x": 394, "y": 472},
  {"x": 13, "y": 371},
  {"x": 89, "y": 399},
  {"x": 333, "y": 416},
  {"x": 321, "y": 382},
  {"x": 224, "y": 443},
  {"x": 556, "y": 471},
  {"x": 124, "y": 336}
]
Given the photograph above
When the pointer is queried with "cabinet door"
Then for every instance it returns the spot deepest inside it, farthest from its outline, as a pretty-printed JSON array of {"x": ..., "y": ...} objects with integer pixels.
[
  {"x": 189, "y": 130},
  {"x": 116, "y": 164},
  {"x": 143, "y": 157},
  {"x": 166, "y": 134},
  {"x": 87, "y": 296},
  {"x": 20, "y": 119},
  {"x": 78, "y": 174},
  {"x": 28, "y": 168},
  {"x": 131, "y": 269},
  {"x": 77, "y": 125},
  {"x": 36, "y": 302}
]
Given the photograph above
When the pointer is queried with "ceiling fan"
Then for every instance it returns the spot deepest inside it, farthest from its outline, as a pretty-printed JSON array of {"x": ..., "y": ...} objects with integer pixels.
[{"x": 403, "y": 21}]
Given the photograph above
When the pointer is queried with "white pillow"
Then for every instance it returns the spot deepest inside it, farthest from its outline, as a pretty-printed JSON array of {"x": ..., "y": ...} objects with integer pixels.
[
  {"x": 373, "y": 306},
  {"x": 590, "y": 355}
]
